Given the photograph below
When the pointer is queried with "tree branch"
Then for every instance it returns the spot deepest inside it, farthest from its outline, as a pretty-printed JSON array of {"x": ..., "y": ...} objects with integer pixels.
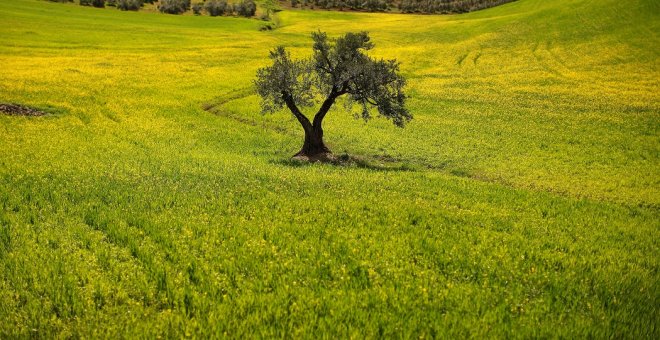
[
  {"x": 325, "y": 107},
  {"x": 302, "y": 119},
  {"x": 328, "y": 63}
]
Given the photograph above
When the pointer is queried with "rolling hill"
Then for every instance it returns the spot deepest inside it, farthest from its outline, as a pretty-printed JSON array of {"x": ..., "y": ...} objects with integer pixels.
[{"x": 522, "y": 200}]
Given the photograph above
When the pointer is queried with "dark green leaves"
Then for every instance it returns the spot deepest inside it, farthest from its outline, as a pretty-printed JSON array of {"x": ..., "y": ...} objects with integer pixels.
[{"x": 286, "y": 77}]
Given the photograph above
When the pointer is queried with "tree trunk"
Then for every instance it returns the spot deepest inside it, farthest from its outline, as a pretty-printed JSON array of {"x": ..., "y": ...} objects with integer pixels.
[{"x": 313, "y": 145}]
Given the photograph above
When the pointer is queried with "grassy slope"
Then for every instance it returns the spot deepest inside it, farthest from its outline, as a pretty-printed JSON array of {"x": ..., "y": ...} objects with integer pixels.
[{"x": 529, "y": 207}]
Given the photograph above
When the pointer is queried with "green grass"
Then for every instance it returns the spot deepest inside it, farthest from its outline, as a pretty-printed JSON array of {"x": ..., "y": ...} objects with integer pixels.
[{"x": 522, "y": 201}]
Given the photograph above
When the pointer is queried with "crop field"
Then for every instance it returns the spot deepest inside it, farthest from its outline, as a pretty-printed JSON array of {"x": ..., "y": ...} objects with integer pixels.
[{"x": 154, "y": 200}]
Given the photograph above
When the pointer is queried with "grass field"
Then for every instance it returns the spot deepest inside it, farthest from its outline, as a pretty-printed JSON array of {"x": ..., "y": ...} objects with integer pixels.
[{"x": 522, "y": 201}]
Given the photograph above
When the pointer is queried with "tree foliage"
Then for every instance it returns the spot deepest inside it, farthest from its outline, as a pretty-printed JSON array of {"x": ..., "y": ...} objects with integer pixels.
[
  {"x": 94, "y": 3},
  {"x": 129, "y": 5},
  {"x": 405, "y": 6},
  {"x": 197, "y": 8},
  {"x": 174, "y": 6},
  {"x": 248, "y": 8},
  {"x": 245, "y": 8}
]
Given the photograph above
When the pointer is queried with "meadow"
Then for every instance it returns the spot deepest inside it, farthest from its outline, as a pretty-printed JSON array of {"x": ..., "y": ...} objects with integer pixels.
[{"x": 523, "y": 200}]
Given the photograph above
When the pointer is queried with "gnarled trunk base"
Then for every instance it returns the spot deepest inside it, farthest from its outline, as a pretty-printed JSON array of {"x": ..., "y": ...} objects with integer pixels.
[{"x": 313, "y": 148}]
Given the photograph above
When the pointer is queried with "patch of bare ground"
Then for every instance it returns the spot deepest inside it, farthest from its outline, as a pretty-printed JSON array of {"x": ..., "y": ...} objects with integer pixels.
[{"x": 20, "y": 110}]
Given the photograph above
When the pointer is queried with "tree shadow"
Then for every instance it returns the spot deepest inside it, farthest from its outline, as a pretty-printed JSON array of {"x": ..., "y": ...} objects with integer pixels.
[{"x": 376, "y": 163}]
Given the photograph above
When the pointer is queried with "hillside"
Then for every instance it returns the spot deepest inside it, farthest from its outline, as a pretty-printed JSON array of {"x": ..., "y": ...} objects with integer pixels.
[{"x": 522, "y": 200}]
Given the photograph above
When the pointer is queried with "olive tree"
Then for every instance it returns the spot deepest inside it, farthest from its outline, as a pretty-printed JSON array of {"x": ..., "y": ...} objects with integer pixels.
[
  {"x": 174, "y": 6},
  {"x": 337, "y": 68}
]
